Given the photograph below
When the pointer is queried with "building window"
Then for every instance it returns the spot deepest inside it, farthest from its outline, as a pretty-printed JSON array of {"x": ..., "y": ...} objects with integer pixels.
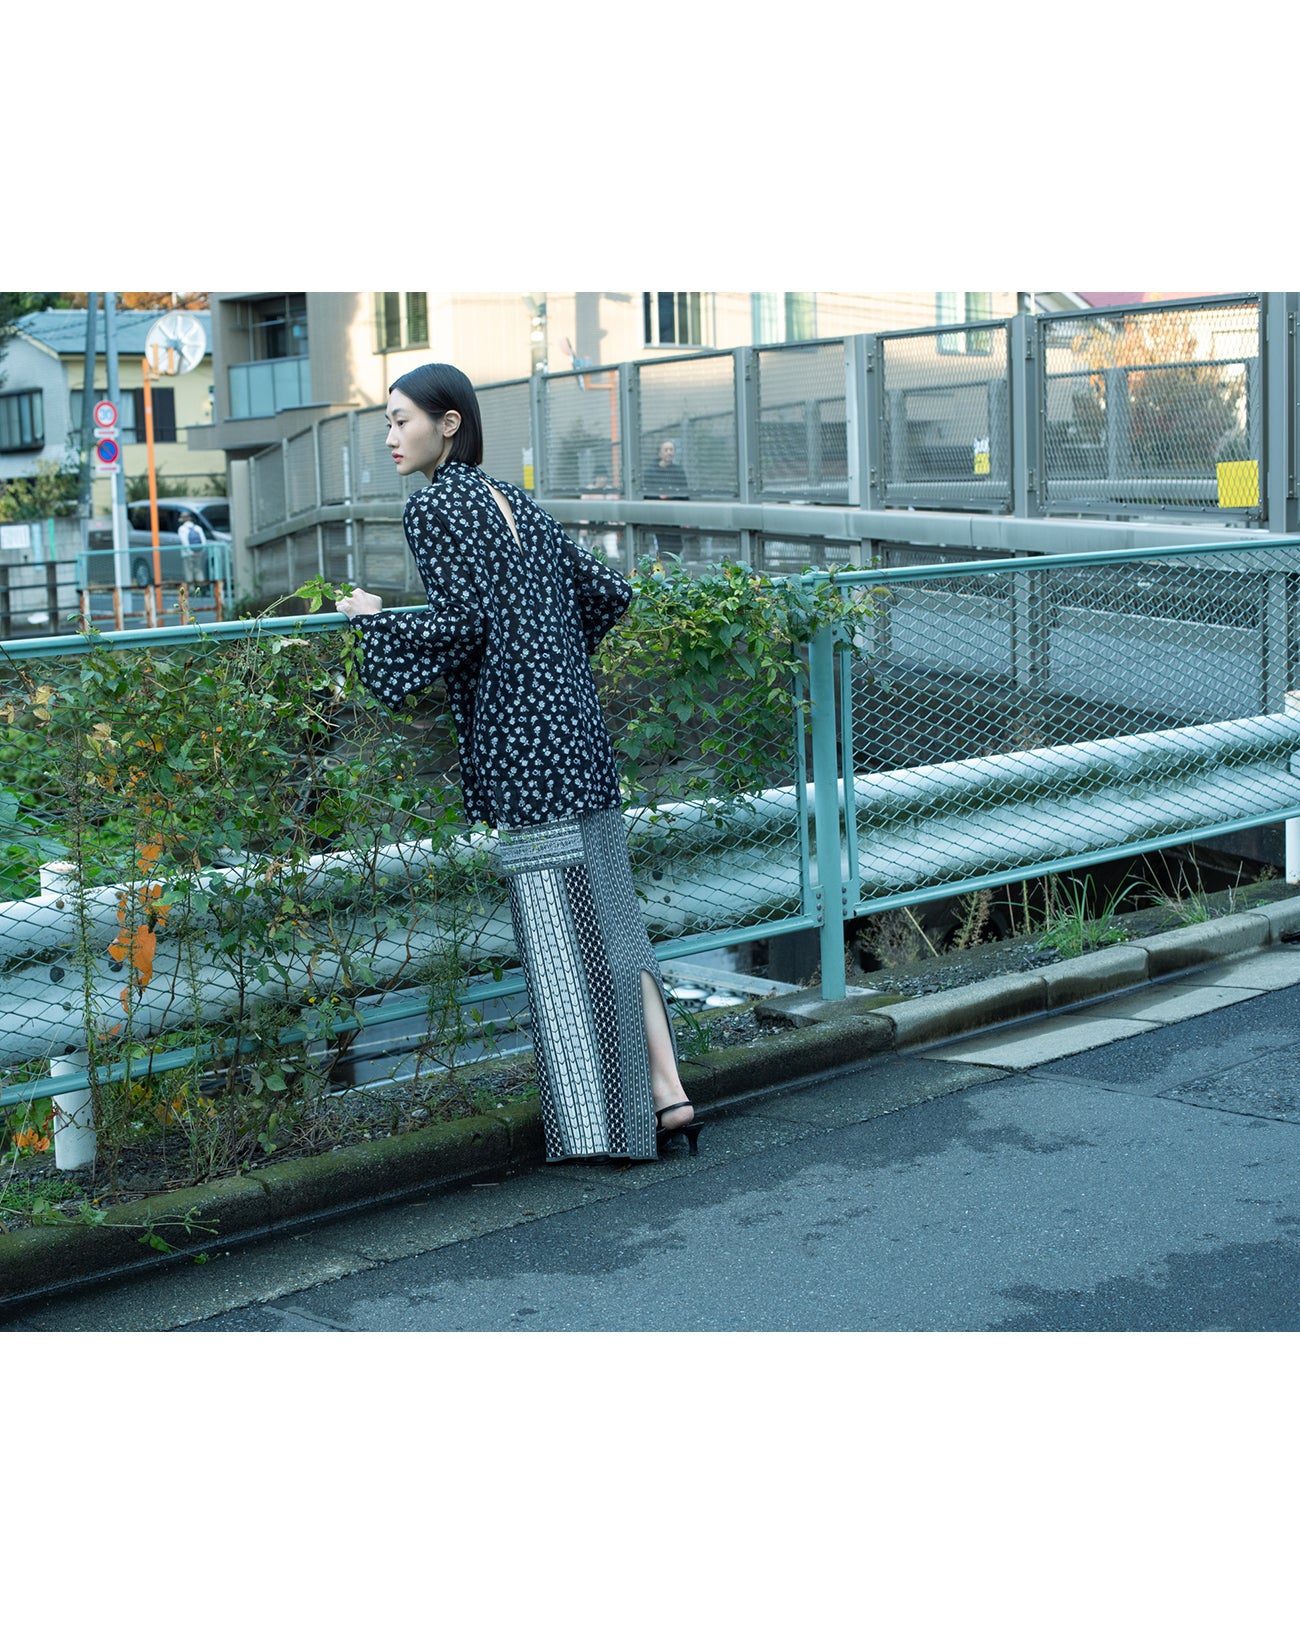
[
  {"x": 783, "y": 318},
  {"x": 401, "y": 321},
  {"x": 22, "y": 420},
  {"x": 673, "y": 318},
  {"x": 277, "y": 326},
  {"x": 964, "y": 307},
  {"x": 130, "y": 414}
]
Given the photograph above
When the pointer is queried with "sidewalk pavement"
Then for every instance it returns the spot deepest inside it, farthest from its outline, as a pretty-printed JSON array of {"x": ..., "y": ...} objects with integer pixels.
[{"x": 1127, "y": 1166}]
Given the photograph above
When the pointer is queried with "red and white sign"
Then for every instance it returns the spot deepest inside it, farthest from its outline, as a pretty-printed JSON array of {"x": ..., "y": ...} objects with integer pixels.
[{"x": 105, "y": 416}]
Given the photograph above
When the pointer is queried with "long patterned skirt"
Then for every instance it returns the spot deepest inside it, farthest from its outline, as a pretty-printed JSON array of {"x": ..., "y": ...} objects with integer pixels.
[{"x": 584, "y": 944}]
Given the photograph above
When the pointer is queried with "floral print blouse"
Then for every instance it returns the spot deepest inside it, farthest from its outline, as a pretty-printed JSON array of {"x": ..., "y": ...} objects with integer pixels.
[{"x": 509, "y": 628}]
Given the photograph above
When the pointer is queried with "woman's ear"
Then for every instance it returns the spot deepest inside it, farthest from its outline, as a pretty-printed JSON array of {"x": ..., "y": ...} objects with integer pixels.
[{"x": 450, "y": 423}]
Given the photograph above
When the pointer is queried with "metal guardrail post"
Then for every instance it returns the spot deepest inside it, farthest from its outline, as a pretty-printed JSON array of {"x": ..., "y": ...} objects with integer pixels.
[
  {"x": 826, "y": 812},
  {"x": 1277, "y": 348},
  {"x": 625, "y": 457},
  {"x": 857, "y": 412},
  {"x": 749, "y": 449},
  {"x": 874, "y": 385},
  {"x": 1026, "y": 407},
  {"x": 537, "y": 429}
]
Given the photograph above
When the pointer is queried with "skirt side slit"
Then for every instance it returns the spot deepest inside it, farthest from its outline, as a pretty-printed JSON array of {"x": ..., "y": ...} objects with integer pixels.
[{"x": 583, "y": 944}]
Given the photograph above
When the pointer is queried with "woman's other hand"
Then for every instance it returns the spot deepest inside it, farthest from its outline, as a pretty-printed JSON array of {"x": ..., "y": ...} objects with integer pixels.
[{"x": 359, "y": 602}]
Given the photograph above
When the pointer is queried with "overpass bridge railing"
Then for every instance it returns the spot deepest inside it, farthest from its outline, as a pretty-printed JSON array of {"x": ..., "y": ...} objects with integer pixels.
[
  {"x": 219, "y": 859},
  {"x": 1036, "y": 434}
]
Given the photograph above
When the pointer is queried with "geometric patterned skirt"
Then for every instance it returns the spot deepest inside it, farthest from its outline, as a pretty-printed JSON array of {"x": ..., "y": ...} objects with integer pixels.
[{"x": 583, "y": 943}]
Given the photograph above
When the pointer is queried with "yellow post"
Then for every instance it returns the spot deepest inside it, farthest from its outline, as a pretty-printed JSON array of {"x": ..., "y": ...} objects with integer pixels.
[{"x": 153, "y": 489}]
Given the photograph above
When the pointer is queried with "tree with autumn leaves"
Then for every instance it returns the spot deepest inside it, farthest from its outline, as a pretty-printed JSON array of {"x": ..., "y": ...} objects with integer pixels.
[{"x": 1186, "y": 411}]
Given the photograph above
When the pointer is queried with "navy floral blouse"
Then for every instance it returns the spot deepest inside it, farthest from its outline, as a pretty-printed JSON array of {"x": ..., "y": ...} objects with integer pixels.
[{"x": 510, "y": 628}]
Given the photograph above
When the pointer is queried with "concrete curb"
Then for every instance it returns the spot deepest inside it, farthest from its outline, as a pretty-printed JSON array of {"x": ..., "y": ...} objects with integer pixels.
[{"x": 823, "y": 1036}]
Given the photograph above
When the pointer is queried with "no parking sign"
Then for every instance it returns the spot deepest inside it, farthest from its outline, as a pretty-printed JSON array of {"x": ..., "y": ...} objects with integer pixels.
[{"x": 108, "y": 451}]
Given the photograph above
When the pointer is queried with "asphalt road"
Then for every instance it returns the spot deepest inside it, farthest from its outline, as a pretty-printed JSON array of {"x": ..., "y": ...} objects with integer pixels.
[{"x": 1144, "y": 1184}]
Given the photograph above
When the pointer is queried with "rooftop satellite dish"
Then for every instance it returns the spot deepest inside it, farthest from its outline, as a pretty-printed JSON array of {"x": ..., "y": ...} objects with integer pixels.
[{"x": 175, "y": 343}]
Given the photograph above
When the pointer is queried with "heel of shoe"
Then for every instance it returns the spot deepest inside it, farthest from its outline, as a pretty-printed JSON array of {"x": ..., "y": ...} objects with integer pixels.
[{"x": 690, "y": 1132}]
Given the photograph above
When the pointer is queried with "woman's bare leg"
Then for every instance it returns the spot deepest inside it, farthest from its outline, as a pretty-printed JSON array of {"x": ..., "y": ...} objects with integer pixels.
[{"x": 665, "y": 1084}]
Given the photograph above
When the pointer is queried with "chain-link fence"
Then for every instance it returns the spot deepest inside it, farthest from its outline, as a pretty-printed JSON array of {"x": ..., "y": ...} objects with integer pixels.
[
  {"x": 1154, "y": 409},
  {"x": 1003, "y": 720},
  {"x": 945, "y": 417},
  {"x": 222, "y": 860},
  {"x": 802, "y": 450},
  {"x": 230, "y": 883}
]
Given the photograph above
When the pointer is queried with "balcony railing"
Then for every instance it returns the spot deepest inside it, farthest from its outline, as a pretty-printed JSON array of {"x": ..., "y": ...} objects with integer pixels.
[{"x": 259, "y": 388}]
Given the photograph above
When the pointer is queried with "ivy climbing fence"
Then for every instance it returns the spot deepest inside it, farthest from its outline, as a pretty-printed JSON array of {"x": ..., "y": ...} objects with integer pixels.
[{"x": 232, "y": 882}]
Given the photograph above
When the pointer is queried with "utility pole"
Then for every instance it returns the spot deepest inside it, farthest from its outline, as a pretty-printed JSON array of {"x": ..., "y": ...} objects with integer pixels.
[
  {"x": 84, "y": 502},
  {"x": 121, "y": 577}
]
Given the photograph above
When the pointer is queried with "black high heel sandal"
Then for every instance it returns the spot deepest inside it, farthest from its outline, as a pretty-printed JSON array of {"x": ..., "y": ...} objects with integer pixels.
[{"x": 665, "y": 1136}]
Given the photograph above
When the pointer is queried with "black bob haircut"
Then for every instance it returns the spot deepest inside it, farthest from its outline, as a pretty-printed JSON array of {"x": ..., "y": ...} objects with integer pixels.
[{"x": 439, "y": 387}]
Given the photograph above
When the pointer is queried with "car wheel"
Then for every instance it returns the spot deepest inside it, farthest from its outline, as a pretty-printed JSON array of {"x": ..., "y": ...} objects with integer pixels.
[{"x": 141, "y": 574}]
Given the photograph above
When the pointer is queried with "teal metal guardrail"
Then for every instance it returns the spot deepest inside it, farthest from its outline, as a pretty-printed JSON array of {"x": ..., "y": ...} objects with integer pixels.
[
  {"x": 213, "y": 557},
  {"x": 1000, "y": 721},
  {"x": 1015, "y": 718}
]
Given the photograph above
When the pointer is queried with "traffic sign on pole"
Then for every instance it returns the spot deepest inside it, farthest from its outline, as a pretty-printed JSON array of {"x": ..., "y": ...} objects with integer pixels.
[
  {"x": 108, "y": 452},
  {"x": 105, "y": 417}
]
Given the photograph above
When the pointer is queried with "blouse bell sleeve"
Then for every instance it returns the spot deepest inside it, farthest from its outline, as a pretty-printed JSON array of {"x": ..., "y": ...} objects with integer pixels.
[
  {"x": 602, "y": 594},
  {"x": 405, "y": 650}
]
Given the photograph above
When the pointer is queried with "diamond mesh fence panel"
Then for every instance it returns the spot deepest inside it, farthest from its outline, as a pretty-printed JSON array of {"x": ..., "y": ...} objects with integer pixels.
[
  {"x": 1158, "y": 409},
  {"x": 691, "y": 402},
  {"x": 220, "y": 856},
  {"x": 334, "y": 436},
  {"x": 269, "y": 562},
  {"x": 377, "y": 474},
  {"x": 1029, "y": 716},
  {"x": 697, "y": 550},
  {"x": 712, "y": 775},
  {"x": 945, "y": 399},
  {"x": 266, "y": 477},
  {"x": 584, "y": 441},
  {"x": 300, "y": 471},
  {"x": 802, "y": 449},
  {"x": 902, "y": 555},
  {"x": 507, "y": 431},
  {"x": 334, "y": 551},
  {"x": 610, "y": 542},
  {"x": 789, "y": 555},
  {"x": 384, "y": 561}
]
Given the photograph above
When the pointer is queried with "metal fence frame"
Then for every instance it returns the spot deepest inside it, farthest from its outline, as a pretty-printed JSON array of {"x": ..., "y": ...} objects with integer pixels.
[{"x": 1020, "y": 512}]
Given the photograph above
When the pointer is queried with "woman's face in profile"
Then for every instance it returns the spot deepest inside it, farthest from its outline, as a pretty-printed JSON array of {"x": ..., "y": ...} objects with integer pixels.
[{"x": 417, "y": 441}]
